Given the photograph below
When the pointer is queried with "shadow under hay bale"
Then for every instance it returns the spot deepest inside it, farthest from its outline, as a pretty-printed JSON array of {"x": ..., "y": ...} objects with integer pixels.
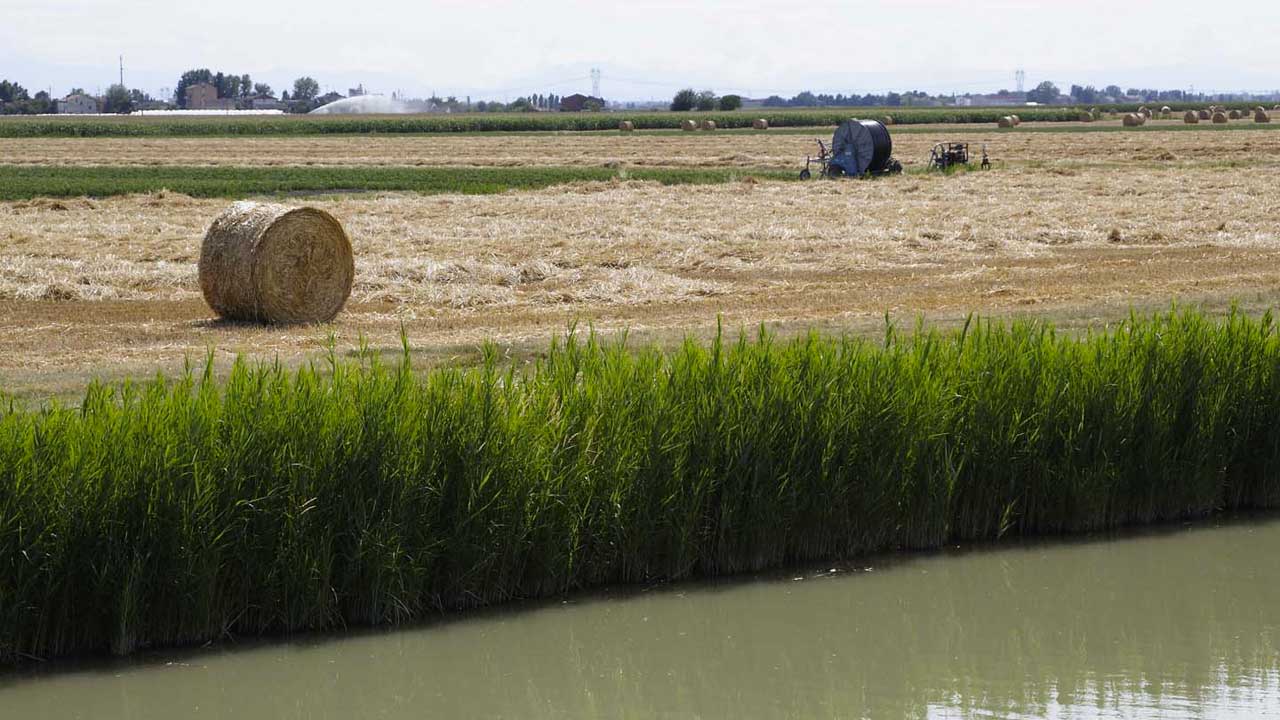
[{"x": 272, "y": 263}]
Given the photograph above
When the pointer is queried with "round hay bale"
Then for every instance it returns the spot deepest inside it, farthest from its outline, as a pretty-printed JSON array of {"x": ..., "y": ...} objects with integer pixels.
[
  {"x": 1016, "y": 120},
  {"x": 1275, "y": 109},
  {"x": 1086, "y": 117},
  {"x": 1144, "y": 112},
  {"x": 275, "y": 263},
  {"x": 1190, "y": 118},
  {"x": 1166, "y": 110},
  {"x": 627, "y": 126},
  {"x": 760, "y": 124},
  {"x": 1219, "y": 118},
  {"x": 887, "y": 120},
  {"x": 708, "y": 124},
  {"x": 1205, "y": 115},
  {"x": 1261, "y": 117},
  {"x": 1133, "y": 120},
  {"x": 688, "y": 125},
  {"x": 1259, "y": 109},
  {"x": 1005, "y": 122},
  {"x": 1234, "y": 114}
]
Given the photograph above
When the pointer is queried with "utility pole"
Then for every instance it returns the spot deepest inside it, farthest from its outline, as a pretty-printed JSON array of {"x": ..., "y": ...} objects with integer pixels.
[
  {"x": 121, "y": 71},
  {"x": 1021, "y": 77},
  {"x": 595, "y": 82}
]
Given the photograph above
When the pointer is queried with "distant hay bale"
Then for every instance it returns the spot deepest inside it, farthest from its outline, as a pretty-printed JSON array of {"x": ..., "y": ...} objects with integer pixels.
[
  {"x": 1134, "y": 120},
  {"x": 1145, "y": 112},
  {"x": 626, "y": 126},
  {"x": 1234, "y": 115},
  {"x": 887, "y": 120},
  {"x": 760, "y": 124},
  {"x": 274, "y": 263},
  {"x": 1219, "y": 118},
  {"x": 1259, "y": 109},
  {"x": 1205, "y": 114},
  {"x": 1005, "y": 122},
  {"x": 1261, "y": 116},
  {"x": 1190, "y": 117},
  {"x": 1276, "y": 109},
  {"x": 688, "y": 125},
  {"x": 708, "y": 124},
  {"x": 1086, "y": 117},
  {"x": 1166, "y": 110}
]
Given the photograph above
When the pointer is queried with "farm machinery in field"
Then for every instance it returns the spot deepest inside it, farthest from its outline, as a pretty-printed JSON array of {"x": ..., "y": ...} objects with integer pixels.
[
  {"x": 863, "y": 147},
  {"x": 858, "y": 147},
  {"x": 945, "y": 156}
]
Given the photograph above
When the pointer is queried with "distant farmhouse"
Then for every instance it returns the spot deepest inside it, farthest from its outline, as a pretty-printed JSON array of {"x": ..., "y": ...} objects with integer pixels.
[
  {"x": 204, "y": 96},
  {"x": 579, "y": 102},
  {"x": 77, "y": 104},
  {"x": 264, "y": 102}
]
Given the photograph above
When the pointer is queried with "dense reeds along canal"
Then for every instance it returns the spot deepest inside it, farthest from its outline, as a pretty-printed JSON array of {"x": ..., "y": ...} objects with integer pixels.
[{"x": 1173, "y": 622}]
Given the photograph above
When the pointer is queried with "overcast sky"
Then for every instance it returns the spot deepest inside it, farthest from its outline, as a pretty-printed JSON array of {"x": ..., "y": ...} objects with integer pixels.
[{"x": 491, "y": 49}]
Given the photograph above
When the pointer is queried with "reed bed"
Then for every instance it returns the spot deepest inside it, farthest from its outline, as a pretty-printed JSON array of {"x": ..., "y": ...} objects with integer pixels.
[{"x": 355, "y": 492}]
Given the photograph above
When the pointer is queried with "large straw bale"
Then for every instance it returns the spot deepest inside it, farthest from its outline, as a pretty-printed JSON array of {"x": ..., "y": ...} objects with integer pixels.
[
  {"x": 626, "y": 126},
  {"x": 1220, "y": 118},
  {"x": 1190, "y": 117},
  {"x": 275, "y": 263},
  {"x": 1261, "y": 116},
  {"x": 688, "y": 125},
  {"x": 760, "y": 124}
]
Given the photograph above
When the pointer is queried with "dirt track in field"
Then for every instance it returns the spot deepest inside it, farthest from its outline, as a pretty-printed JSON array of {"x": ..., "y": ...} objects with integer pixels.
[
  {"x": 109, "y": 286},
  {"x": 777, "y": 150}
]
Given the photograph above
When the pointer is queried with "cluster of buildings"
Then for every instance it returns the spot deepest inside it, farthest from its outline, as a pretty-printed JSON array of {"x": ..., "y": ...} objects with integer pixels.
[{"x": 200, "y": 96}]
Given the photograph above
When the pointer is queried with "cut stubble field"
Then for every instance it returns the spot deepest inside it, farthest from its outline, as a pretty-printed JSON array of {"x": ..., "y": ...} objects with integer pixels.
[
  {"x": 1164, "y": 144},
  {"x": 107, "y": 287}
]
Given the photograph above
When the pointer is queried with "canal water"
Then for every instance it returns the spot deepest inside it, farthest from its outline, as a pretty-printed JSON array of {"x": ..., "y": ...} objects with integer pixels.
[{"x": 1180, "y": 622}]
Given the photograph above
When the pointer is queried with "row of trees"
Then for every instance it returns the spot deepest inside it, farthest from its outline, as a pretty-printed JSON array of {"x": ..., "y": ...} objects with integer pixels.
[
  {"x": 15, "y": 100},
  {"x": 705, "y": 101},
  {"x": 230, "y": 85}
]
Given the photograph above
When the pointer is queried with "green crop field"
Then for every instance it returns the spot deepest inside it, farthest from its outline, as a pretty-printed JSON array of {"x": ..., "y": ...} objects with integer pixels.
[
  {"x": 353, "y": 493},
  {"x": 70, "y": 126},
  {"x": 24, "y": 182}
]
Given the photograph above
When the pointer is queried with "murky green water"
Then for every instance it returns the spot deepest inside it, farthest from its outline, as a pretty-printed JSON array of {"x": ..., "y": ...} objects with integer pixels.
[{"x": 1179, "y": 623}]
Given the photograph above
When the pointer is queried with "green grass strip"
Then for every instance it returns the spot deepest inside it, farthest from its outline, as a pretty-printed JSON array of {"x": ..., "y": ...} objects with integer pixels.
[
  {"x": 355, "y": 493},
  {"x": 20, "y": 182}
]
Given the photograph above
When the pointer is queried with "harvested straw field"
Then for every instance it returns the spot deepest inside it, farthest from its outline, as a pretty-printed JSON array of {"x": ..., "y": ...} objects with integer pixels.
[
  {"x": 108, "y": 286},
  {"x": 777, "y": 149}
]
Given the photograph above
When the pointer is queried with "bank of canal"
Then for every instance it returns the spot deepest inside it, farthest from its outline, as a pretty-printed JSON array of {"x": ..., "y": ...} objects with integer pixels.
[{"x": 1172, "y": 622}]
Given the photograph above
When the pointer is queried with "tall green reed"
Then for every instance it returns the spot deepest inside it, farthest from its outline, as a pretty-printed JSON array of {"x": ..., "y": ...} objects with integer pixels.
[{"x": 354, "y": 492}]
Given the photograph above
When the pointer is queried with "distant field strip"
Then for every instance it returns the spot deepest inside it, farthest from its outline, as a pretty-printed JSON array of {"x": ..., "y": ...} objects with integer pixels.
[
  {"x": 57, "y": 126},
  {"x": 25, "y": 182},
  {"x": 779, "y": 150}
]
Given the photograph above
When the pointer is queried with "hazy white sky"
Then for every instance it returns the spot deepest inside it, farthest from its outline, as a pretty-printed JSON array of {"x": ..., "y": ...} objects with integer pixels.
[{"x": 493, "y": 49}]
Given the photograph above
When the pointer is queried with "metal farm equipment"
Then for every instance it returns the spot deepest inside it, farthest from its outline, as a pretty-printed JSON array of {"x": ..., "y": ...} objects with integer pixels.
[
  {"x": 858, "y": 147},
  {"x": 948, "y": 155}
]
